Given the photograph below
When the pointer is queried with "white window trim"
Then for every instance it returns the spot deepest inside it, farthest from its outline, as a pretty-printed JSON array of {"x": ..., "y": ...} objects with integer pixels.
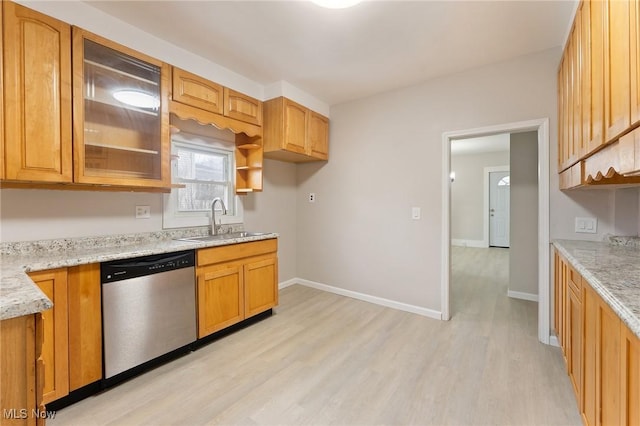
[{"x": 171, "y": 218}]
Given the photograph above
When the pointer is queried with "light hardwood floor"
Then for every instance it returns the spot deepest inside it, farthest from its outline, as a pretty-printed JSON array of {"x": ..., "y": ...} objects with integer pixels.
[{"x": 327, "y": 359}]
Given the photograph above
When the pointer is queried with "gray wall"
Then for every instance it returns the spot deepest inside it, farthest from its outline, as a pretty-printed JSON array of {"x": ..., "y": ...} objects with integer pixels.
[
  {"x": 467, "y": 194},
  {"x": 274, "y": 210},
  {"x": 523, "y": 254},
  {"x": 386, "y": 156},
  {"x": 28, "y": 215}
]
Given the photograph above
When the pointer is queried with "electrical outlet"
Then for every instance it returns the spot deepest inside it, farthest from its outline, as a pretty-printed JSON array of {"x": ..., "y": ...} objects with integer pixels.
[
  {"x": 143, "y": 212},
  {"x": 586, "y": 225},
  {"x": 312, "y": 197}
]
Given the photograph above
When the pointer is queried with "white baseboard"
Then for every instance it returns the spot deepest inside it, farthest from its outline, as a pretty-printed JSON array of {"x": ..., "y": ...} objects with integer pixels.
[
  {"x": 523, "y": 296},
  {"x": 287, "y": 283},
  {"x": 469, "y": 243},
  {"x": 365, "y": 297}
]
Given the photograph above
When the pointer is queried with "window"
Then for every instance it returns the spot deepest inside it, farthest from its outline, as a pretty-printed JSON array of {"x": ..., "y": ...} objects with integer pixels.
[
  {"x": 204, "y": 167},
  {"x": 505, "y": 181}
]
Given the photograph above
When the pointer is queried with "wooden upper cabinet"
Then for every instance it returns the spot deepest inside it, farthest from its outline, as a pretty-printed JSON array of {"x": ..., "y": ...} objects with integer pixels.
[
  {"x": 563, "y": 115},
  {"x": 2, "y": 172},
  {"x": 242, "y": 107},
  {"x": 190, "y": 89},
  {"x": 121, "y": 116},
  {"x": 599, "y": 95},
  {"x": 577, "y": 149},
  {"x": 205, "y": 102},
  {"x": 295, "y": 127},
  {"x": 593, "y": 84},
  {"x": 634, "y": 59},
  {"x": 570, "y": 126},
  {"x": 617, "y": 93},
  {"x": 629, "y": 153},
  {"x": 37, "y": 96},
  {"x": 294, "y": 133},
  {"x": 196, "y": 91},
  {"x": 319, "y": 136}
]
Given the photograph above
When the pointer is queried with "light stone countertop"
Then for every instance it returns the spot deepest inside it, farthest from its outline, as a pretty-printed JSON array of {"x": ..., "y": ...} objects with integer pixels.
[
  {"x": 20, "y": 296},
  {"x": 613, "y": 270}
]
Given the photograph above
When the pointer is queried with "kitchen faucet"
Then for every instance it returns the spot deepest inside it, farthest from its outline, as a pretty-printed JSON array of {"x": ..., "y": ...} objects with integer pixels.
[{"x": 215, "y": 229}]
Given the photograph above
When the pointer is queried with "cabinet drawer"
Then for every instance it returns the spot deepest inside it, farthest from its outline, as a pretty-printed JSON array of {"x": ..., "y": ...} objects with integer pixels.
[
  {"x": 209, "y": 256},
  {"x": 575, "y": 282}
]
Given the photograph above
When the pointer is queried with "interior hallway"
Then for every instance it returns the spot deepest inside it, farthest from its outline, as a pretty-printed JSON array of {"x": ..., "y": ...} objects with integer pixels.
[{"x": 326, "y": 359}]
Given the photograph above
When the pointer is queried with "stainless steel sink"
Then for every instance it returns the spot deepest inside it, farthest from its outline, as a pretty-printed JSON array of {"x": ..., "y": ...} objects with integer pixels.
[{"x": 219, "y": 237}]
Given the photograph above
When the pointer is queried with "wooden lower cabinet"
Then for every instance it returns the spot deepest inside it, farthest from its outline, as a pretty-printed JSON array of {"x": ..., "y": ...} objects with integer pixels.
[
  {"x": 559, "y": 294},
  {"x": 260, "y": 286},
  {"x": 219, "y": 298},
  {"x": 235, "y": 282},
  {"x": 589, "y": 338},
  {"x": 630, "y": 363},
  {"x": 72, "y": 329},
  {"x": 611, "y": 385},
  {"x": 574, "y": 336},
  {"x": 55, "y": 347},
  {"x": 608, "y": 372},
  {"x": 605, "y": 368},
  {"x": 21, "y": 385},
  {"x": 85, "y": 325}
]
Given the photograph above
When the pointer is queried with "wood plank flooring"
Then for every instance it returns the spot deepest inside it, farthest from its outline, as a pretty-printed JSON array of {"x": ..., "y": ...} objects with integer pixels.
[{"x": 324, "y": 359}]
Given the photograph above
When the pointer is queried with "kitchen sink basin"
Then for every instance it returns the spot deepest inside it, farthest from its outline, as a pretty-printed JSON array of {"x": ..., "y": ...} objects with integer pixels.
[{"x": 219, "y": 237}]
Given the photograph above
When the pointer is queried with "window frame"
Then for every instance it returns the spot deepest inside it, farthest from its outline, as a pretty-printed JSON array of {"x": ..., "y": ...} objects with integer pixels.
[{"x": 172, "y": 217}]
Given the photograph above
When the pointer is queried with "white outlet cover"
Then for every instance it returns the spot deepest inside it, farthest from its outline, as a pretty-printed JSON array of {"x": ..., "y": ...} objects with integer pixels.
[
  {"x": 143, "y": 212},
  {"x": 586, "y": 225}
]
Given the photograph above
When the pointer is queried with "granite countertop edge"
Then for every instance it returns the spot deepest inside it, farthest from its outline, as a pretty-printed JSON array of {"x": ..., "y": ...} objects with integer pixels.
[
  {"x": 20, "y": 296},
  {"x": 608, "y": 290}
]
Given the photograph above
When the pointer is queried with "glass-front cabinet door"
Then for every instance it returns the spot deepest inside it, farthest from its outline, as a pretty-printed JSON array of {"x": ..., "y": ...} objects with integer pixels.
[{"x": 121, "y": 119}]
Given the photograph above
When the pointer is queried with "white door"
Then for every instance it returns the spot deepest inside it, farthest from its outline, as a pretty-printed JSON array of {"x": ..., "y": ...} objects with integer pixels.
[{"x": 499, "y": 195}]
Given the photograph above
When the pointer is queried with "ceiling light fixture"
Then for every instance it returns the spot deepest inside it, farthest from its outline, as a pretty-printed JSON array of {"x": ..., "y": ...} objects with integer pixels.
[
  {"x": 336, "y": 4},
  {"x": 136, "y": 98}
]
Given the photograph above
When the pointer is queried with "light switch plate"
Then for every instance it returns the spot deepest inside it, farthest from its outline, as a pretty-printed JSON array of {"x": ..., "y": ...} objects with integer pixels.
[
  {"x": 586, "y": 225},
  {"x": 416, "y": 213}
]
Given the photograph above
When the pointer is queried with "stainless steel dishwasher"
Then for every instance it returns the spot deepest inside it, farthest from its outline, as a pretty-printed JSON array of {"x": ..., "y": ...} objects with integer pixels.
[{"x": 148, "y": 311}]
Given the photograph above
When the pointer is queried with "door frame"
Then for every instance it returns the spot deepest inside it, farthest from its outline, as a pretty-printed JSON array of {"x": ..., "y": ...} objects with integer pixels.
[
  {"x": 542, "y": 128},
  {"x": 486, "y": 237}
]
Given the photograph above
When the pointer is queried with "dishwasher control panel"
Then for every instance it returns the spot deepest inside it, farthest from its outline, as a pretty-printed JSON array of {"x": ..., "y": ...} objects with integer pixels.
[{"x": 118, "y": 270}]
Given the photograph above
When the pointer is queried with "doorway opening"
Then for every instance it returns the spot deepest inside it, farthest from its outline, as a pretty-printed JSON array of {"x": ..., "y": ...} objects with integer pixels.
[
  {"x": 499, "y": 188},
  {"x": 541, "y": 128}
]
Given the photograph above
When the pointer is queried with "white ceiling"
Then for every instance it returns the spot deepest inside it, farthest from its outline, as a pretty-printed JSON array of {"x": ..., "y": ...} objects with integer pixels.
[
  {"x": 339, "y": 55},
  {"x": 482, "y": 144}
]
